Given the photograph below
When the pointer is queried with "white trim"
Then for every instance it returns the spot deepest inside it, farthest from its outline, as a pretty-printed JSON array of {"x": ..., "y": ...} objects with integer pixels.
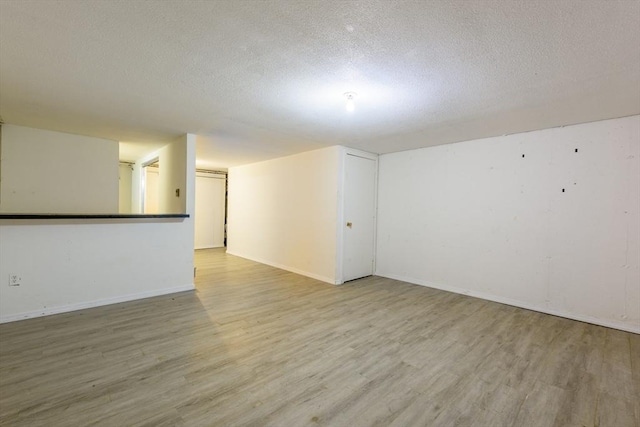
[
  {"x": 97, "y": 303},
  {"x": 208, "y": 247},
  {"x": 360, "y": 153},
  {"x": 214, "y": 175},
  {"x": 517, "y": 303},
  {"x": 286, "y": 267},
  {"x": 340, "y": 215},
  {"x": 151, "y": 159}
]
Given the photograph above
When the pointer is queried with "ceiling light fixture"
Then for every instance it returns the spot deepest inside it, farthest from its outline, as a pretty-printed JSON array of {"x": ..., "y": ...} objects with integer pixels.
[{"x": 351, "y": 96}]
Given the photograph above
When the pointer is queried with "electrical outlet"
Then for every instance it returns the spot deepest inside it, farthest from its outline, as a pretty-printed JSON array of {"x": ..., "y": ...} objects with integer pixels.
[{"x": 15, "y": 280}]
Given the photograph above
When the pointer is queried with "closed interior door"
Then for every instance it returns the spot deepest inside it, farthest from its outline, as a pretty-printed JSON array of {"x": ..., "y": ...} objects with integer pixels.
[
  {"x": 210, "y": 208},
  {"x": 151, "y": 190},
  {"x": 359, "y": 215}
]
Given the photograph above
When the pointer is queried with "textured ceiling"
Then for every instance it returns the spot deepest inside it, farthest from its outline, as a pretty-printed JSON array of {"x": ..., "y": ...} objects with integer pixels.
[{"x": 262, "y": 79}]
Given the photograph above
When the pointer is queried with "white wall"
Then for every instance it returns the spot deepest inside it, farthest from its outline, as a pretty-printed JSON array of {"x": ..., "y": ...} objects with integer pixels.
[
  {"x": 125, "y": 172},
  {"x": 53, "y": 172},
  {"x": 172, "y": 177},
  {"x": 283, "y": 212},
  {"x": 478, "y": 218},
  {"x": 71, "y": 264},
  {"x": 136, "y": 187}
]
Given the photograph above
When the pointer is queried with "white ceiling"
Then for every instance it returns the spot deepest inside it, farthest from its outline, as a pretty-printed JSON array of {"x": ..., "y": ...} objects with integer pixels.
[{"x": 261, "y": 79}]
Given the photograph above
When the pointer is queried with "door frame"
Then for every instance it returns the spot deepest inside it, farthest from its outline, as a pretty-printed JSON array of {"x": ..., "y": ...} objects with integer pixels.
[{"x": 341, "y": 225}]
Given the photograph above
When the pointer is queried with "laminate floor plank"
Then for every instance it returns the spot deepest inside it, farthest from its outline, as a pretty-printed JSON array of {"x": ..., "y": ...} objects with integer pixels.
[{"x": 259, "y": 346}]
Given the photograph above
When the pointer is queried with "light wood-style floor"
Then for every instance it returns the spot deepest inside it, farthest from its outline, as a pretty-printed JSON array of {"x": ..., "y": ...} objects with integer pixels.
[{"x": 260, "y": 346}]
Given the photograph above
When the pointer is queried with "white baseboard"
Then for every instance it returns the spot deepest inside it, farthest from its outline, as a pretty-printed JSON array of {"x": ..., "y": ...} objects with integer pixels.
[
  {"x": 517, "y": 303},
  {"x": 286, "y": 267},
  {"x": 97, "y": 303},
  {"x": 197, "y": 248}
]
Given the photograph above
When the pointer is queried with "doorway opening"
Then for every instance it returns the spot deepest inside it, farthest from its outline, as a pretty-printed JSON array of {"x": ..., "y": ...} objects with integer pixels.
[{"x": 211, "y": 209}]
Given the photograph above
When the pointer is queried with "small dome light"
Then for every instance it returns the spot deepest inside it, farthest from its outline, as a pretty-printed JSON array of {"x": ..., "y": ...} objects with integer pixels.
[{"x": 351, "y": 96}]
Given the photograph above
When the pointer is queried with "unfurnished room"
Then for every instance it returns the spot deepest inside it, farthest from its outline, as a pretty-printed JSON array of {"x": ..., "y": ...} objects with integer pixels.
[{"x": 320, "y": 213}]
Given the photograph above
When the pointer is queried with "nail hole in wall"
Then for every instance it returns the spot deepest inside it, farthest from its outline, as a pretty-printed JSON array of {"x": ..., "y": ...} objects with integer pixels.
[
  {"x": 563, "y": 190},
  {"x": 576, "y": 150},
  {"x": 523, "y": 156}
]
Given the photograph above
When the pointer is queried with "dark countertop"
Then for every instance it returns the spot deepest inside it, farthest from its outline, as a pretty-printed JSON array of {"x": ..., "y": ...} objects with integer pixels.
[{"x": 88, "y": 216}]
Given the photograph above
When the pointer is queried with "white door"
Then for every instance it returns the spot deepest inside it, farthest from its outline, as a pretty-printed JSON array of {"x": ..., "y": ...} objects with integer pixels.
[
  {"x": 359, "y": 217},
  {"x": 151, "y": 190},
  {"x": 210, "y": 201}
]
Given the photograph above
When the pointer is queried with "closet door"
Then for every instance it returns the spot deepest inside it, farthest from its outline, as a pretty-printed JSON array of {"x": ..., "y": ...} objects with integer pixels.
[
  {"x": 151, "y": 190},
  {"x": 210, "y": 210},
  {"x": 360, "y": 217}
]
